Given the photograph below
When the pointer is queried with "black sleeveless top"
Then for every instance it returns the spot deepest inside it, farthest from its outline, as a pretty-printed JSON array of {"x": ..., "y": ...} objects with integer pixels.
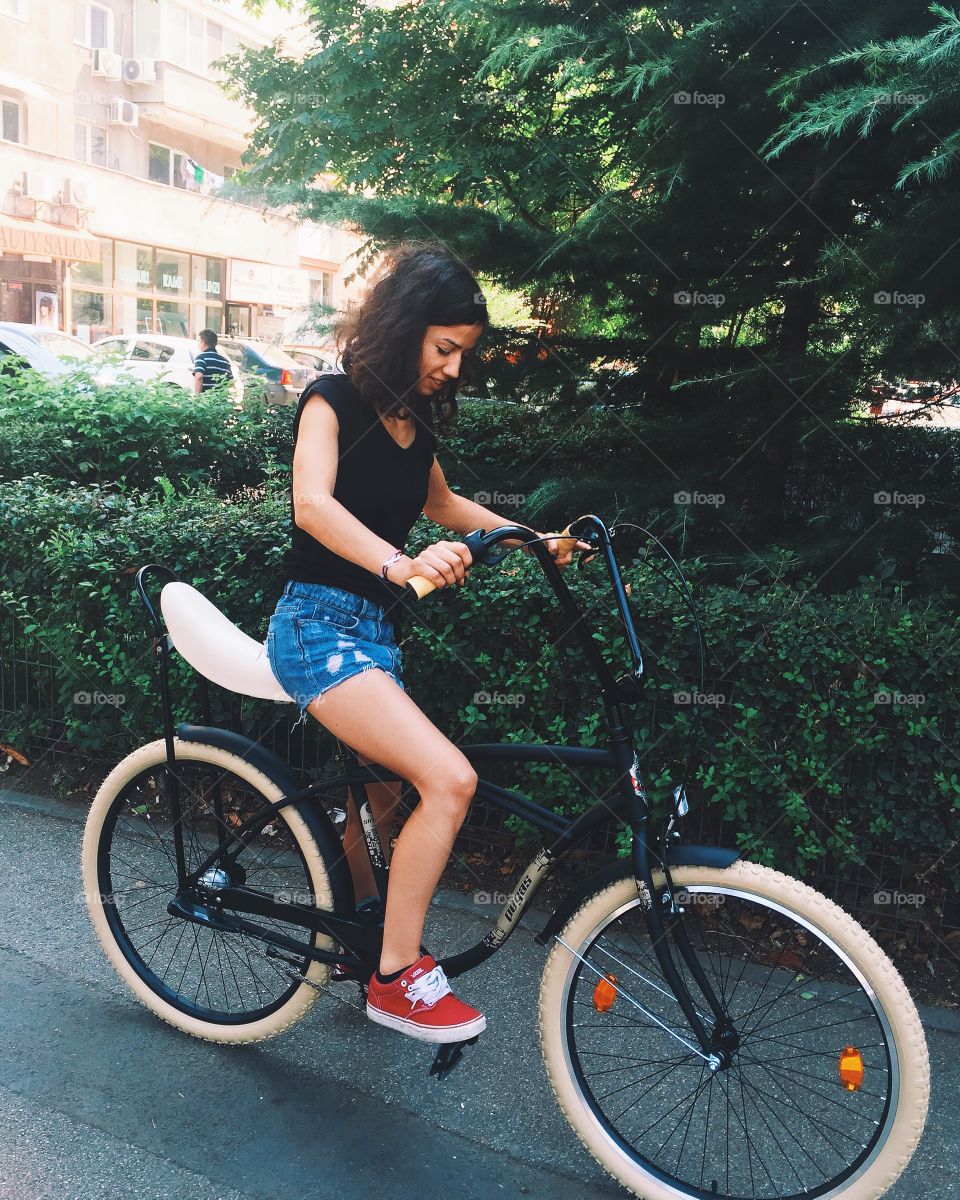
[{"x": 381, "y": 483}]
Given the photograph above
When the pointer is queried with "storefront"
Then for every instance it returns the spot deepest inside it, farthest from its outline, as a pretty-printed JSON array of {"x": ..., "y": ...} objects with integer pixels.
[
  {"x": 261, "y": 296},
  {"x": 34, "y": 261},
  {"x": 135, "y": 288}
]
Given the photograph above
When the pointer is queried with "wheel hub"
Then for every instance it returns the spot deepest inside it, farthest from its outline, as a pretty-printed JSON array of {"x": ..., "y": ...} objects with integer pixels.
[{"x": 724, "y": 1044}]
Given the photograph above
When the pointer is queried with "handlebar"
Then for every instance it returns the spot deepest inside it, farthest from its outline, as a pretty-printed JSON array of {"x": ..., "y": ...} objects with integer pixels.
[
  {"x": 590, "y": 529},
  {"x": 421, "y": 586}
]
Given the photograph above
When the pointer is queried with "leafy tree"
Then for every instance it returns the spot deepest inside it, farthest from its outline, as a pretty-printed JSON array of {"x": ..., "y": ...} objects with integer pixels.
[
  {"x": 897, "y": 96},
  {"x": 625, "y": 167}
]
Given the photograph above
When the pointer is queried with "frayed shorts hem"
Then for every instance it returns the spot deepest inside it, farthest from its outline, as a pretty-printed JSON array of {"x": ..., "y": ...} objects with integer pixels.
[{"x": 303, "y": 705}]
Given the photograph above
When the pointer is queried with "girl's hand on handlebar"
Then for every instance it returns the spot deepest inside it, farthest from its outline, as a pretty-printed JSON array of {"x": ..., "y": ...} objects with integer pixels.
[
  {"x": 441, "y": 563},
  {"x": 562, "y": 549}
]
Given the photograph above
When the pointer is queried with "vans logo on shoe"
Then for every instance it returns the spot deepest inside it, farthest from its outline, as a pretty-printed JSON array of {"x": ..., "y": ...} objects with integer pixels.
[{"x": 418, "y": 971}]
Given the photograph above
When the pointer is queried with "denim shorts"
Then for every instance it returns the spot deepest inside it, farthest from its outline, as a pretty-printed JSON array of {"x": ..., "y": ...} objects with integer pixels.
[{"x": 320, "y": 635}]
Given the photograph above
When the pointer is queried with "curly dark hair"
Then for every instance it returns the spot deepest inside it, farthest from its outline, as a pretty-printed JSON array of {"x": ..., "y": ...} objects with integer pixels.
[{"x": 421, "y": 284}]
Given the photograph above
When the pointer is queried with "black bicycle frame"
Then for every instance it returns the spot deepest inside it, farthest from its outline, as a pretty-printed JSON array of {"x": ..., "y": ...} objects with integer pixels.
[{"x": 361, "y": 933}]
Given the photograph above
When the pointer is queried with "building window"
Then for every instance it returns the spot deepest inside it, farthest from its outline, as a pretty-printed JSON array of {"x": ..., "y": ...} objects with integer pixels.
[
  {"x": 90, "y": 143},
  {"x": 185, "y": 38},
  {"x": 215, "y": 43},
  {"x": 134, "y": 267},
  {"x": 14, "y": 8},
  {"x": 98, "y": 272},
  {"x": 12, "y": 122},
  {"x": 208, "y": 277},
  {"x": 93, "y": 25},
  {"x": 321, "y": 289},
  {"x": 92, "y": 315},
  {"x": 173, "y": 272},
  {"x": 166, "y": 166}
]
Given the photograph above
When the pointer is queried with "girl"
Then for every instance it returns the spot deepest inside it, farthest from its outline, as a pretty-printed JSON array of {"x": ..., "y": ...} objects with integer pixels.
[{"x": 363, "y": 471}]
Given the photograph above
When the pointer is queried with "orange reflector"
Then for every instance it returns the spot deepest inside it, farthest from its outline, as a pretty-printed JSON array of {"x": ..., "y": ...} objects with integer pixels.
[
  {"x": 605, "y": 993},
  {"x": 850, "y": 1068}
]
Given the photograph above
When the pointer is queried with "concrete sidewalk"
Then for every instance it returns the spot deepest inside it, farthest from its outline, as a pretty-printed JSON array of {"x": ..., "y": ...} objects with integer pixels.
[{"x": 100, "y": 1097}]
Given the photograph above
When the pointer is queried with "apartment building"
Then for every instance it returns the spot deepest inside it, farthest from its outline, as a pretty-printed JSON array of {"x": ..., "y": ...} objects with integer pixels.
[{"x": 115, "y": 139}]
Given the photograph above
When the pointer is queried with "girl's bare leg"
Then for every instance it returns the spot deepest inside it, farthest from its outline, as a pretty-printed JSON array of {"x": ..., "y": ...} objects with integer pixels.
[{"x": 379, "y": 720}]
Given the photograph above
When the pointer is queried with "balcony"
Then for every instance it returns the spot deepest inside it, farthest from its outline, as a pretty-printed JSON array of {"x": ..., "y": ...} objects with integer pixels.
[{"x": 188, "y": 103}]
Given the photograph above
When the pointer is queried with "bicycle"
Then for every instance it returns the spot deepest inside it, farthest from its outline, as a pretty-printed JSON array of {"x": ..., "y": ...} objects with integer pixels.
[{"x": 710, "y": 1027}]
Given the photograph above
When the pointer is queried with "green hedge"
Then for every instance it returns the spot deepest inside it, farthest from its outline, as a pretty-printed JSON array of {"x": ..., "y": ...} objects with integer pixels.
[
  {"x": 129, "y": 435},
  {"x": 800, "y": 755},
  {"x": 543, "y": 463}
]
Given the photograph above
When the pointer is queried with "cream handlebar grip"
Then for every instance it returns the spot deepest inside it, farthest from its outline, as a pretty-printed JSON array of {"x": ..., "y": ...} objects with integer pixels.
[{"x": 420, "y": 585}]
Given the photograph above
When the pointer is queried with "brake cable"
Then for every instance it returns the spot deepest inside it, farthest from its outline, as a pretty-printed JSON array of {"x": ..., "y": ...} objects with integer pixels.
[
  {"x": 679, "y": 792},
  {"x": 680, "y": 802}
]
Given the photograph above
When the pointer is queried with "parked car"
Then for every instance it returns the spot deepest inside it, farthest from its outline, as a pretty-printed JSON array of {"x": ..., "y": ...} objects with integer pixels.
[
  {"x": 18, "y": 347},
  {"x": 282, "y": 376},
  {"x": 316, "y": 360},
  {"x": 157, "y": 356},
  {"x": 64, "y": 345}
]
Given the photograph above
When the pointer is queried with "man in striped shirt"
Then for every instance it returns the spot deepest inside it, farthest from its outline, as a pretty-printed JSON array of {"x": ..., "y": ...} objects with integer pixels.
[{"x": 209, "y": 366}]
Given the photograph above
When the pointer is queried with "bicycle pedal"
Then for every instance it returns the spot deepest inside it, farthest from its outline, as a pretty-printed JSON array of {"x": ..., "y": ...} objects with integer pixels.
[{"x": 448, "y": 1055}]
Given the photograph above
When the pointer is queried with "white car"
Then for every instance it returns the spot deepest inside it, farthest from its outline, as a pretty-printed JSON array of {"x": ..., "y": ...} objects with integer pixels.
[
  {"x": 65, "y": 346},
  {"x": 157, "y": 356},
  {"x": 16, "y": 344},
  {"x": 317, "y": 361}
]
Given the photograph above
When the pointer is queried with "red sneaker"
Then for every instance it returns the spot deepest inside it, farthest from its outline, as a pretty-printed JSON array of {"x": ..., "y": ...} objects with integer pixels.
[{"x": 421, "y": 1004}]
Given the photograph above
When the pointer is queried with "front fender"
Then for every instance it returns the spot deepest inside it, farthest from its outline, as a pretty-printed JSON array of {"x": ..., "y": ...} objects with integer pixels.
[{"x": 681, "y": 855}]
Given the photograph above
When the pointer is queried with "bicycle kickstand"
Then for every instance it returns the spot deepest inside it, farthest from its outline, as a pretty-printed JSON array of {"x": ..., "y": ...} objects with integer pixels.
[{"x": 448, "y": 1055}]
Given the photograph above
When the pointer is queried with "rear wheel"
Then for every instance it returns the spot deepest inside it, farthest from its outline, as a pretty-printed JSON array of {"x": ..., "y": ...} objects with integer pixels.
[
  {"x": 823, "y": 1087},
  {"x": 218, "y": 985}
]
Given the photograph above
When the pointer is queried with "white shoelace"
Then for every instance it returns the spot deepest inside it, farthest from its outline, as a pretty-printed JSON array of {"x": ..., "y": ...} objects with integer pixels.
[{"x": 429, "y": 988}]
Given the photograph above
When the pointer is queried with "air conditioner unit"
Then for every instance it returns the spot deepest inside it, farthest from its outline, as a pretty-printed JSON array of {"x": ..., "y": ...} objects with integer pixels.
[
  {"x": 74, "y": 192},
  {"x": 140, "y": 70},
  {"x": 67, "y": 215},
  {"x": 123, "y": 112},
  {"x": 107, "y": 63},
  {"x": 25, "y": 206}
]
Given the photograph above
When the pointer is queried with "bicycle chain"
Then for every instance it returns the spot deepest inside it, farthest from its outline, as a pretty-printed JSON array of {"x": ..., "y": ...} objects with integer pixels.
[{"x": 298, "y": 977}]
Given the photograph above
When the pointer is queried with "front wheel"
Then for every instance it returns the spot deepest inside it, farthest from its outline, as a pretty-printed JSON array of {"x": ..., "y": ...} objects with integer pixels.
[{"x": 824, "y": 1081}]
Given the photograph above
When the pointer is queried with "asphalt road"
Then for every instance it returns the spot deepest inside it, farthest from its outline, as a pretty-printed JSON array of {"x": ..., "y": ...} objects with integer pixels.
[{"x": 100, "y": 1099}]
